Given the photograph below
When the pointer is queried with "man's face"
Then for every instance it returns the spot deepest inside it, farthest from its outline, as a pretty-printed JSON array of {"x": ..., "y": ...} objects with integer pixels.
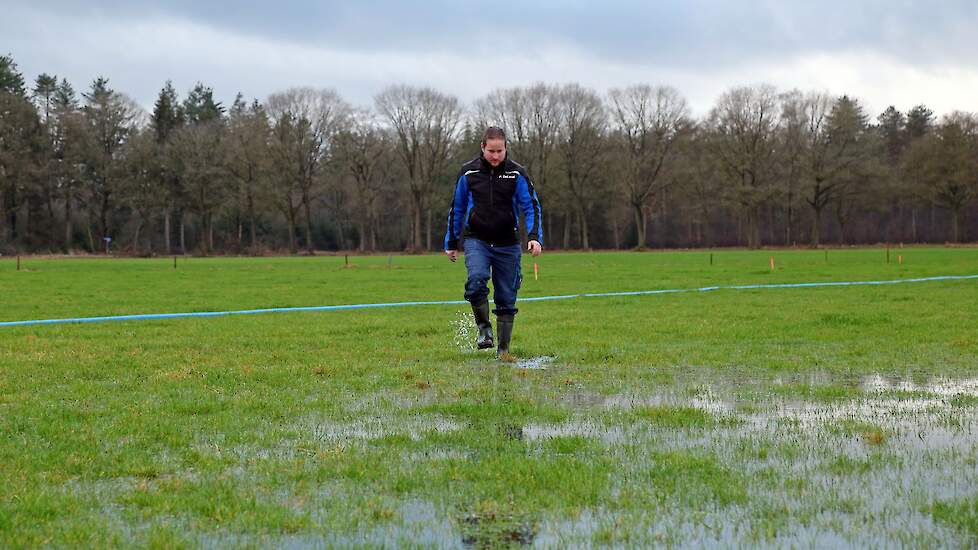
[{"x": 495, "y": 151}]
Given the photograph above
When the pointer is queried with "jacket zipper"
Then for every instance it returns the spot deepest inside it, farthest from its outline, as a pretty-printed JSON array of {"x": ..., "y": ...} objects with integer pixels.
[{"x": 491, "y": 172}]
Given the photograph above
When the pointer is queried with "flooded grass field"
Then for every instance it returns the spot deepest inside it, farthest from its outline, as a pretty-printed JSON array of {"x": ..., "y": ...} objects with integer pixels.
[{"x": 814, "y": 417}]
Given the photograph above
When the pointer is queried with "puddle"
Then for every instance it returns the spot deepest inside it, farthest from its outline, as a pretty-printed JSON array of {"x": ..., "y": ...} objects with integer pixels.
[
  {"x": 943, "y": 387},
  {"x": 732, "y": 527},
  {"x": 381, "y": 426},
  {"x": 104, "y": 490},
  {"x": 708, "y": 401},
  {"x": 954, "y": 388},
  {"x": 413, "y": 523},
  {"x": 864, "y": 469},
  {"x": 705, "y": 399},
  {"x": 579, "y": 428},
  {"x": 387, "y": 400},
  {"x": 808, "y": 464},
  {"x": 540, "y": 362},
  {"x": 435, "y": 455}
]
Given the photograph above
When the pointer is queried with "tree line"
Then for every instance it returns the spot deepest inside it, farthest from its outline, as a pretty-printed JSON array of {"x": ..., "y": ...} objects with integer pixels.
[{"x": 305, "y": 170}]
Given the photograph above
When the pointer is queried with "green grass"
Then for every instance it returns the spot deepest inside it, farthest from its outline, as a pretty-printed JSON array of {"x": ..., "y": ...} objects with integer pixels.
[
  {"x": 962, "y": 513},
  {"x": 735, "y": 417}
]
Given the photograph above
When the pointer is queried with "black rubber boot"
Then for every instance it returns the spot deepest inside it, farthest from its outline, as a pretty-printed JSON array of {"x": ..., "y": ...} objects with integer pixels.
[
  {"x": 481, "y": 314},
  {"x": 504, "y": 324}
]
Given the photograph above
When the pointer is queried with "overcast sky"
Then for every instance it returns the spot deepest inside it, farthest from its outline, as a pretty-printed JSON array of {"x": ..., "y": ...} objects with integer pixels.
[{"x": 882, "y": 52}]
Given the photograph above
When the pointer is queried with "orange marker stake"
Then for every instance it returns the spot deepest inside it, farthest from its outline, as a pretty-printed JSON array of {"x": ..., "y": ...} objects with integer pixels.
[{"x": 536, "y": 272}]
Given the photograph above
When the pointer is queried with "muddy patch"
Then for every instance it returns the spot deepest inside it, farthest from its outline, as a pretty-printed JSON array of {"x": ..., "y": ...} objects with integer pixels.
[{"x": 495, "y": 529}]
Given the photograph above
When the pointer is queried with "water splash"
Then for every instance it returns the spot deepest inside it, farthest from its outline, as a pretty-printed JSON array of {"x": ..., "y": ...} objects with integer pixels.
[{"x": 465, "y": 331}]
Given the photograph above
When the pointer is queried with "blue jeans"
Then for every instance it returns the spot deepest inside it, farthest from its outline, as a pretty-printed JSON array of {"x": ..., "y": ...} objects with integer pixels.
[{"x": 502, "y": 263}]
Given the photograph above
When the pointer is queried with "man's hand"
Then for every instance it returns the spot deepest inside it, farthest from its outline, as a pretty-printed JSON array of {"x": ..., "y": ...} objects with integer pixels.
[
  {"x": 452, "y": 254},
  {"x": 534, "y": 247}
]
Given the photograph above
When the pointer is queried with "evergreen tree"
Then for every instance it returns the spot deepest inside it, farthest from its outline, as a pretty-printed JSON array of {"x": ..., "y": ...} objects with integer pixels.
[
  {"x": 111, "y": 119},
  {"x": 197, "y": 162},
  {"x": 852, "y": 146},
  {"x": 892, "y": 128},
  {"x": 20, "y": 137},
  {"x": 72, "y": 138},
  {"x": 167, "y": 113},
  {"x": 11, "y": 81},
  {"x": 920, "y": 124},
  {"x": 65, "y": 97},
  {"x": 200, "y": 107},
  {"x": 46, "y": 190},
  {"x": 166, "y": 119},
  {"x": 45, "y": 88},
  {"x": 920, "y": 121}
]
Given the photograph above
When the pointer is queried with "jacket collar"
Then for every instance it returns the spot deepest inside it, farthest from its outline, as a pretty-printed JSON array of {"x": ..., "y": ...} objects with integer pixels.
[{"x": 484, "y": 164}]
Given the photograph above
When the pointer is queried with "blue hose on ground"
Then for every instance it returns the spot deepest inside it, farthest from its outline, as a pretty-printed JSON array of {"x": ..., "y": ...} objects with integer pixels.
[{"x": 152, "y": 316}]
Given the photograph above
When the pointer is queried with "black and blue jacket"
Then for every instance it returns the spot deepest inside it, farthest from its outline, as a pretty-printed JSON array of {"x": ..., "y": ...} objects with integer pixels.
[{"x": 487, "y": 203}]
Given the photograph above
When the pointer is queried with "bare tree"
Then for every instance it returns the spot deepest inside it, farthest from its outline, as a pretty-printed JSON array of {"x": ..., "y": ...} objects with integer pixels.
[
  {"x": 738, "y": 176},
  {"x": 361, "y": 154},
  {"x": 197, "y": 154},
  {"x": 743, "y": 127},
  {"x": 290, "y": 141},
  {"x": 140, "y": 186},
  {"x": 948, "y": 161},
  {"x": 425, "y": 125},
  {"x": 580, "y": 149},
  {"x": 317, "y": 116},
  {"x": 248, "y": 160},
  {"x": 530, "y": 116},
  {"x": 832, "y": 138},
  {"x": 701, "y": 182},
  {"x": 649, "y": 122},
  {"x": 792, "y": 146},
  {"x": 508, "y": 110}
]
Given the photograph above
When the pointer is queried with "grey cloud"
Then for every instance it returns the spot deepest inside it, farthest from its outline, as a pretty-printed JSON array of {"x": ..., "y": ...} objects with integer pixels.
[
  {"x": 701, "y": 33},
  {"x": 900, "y": 53}
]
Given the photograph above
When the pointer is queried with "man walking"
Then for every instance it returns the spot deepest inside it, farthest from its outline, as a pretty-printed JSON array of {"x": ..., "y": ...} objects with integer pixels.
[{"x": 490, "y": 193}]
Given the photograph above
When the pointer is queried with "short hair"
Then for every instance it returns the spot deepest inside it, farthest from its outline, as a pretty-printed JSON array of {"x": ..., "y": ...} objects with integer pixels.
[{"x": 493, "y": 132}]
